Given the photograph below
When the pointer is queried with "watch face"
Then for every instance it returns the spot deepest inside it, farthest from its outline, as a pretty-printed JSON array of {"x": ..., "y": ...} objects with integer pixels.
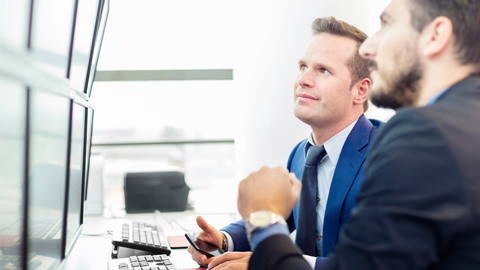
[{"x": 260, "y": 219}]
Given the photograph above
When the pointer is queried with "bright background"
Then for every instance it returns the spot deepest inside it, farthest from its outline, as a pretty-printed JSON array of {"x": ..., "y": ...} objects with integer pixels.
[{"x": 260, "y": 40}]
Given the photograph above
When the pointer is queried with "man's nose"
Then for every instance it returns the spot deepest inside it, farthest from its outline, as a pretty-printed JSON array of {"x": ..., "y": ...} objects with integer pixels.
[
  {"x": 305, "y": 80},
  {"x": 368, "y": 49}
]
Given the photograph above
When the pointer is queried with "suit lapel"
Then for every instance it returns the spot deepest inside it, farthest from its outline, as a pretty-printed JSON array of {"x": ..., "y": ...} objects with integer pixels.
[
  {"x": 348, "y": 165},
  {"x": 297, "y": 165}
]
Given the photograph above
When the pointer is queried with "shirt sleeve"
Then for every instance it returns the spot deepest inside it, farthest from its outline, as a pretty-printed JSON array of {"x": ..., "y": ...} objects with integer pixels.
[
  {"x": 311, "y": 260},
  {"x": 231, "y": 244}
]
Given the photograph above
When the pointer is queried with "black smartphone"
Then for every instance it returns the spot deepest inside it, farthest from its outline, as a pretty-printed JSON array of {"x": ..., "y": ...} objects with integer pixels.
[{"x": 204, "y": 247}]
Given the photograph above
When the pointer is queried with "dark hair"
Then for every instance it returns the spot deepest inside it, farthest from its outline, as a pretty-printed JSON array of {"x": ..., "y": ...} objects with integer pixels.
[
  {"x": 356, "y": 64},
  {"x": 465, "y": 17}
]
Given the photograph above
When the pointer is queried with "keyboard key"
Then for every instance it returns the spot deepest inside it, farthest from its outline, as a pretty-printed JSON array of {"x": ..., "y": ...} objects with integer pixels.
[
  {"x": 135, "y": 264},
  {"x": 149, "y": 258},
  {"x": 171, "y": 267},
  {"x": 142, "y": 264},
  {"x": 141, "y": 258},
  {"x": 162, "y": 240},
  {"x": 167, "y": 261},
  {"x": 164, "y": 257},
  {"x": 157, "y": 258},
  {"x": 153, "y": 268},
  {"x": 133, "y": 259},
  {"x": 162, "y": 267}
]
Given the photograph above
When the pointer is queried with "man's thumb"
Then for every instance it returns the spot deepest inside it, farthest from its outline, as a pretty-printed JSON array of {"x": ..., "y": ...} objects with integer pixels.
[{"x": 206, "y": 228}]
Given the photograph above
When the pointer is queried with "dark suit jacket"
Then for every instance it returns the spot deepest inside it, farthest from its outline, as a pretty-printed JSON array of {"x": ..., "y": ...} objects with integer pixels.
[
  {"x": 346, "y": 183},
  {"x": 419, "y": 207}
]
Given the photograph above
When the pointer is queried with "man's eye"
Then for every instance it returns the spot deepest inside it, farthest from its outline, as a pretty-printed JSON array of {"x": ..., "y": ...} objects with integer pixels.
[
  {"x": 324, "y": 71},
  {"x": 303, "y": 68}
]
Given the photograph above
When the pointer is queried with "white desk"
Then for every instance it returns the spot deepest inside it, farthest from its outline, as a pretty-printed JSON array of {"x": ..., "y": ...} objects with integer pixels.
[{"x": 93, "y": 252}]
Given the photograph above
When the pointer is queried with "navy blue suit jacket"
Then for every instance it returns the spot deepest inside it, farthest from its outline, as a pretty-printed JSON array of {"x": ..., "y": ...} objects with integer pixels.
[{"x": 346, "y": 183}]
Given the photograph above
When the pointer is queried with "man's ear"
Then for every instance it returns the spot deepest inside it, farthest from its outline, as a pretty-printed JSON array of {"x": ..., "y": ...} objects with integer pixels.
[
  {"x": 436, "y": 37},
  {"x": 361, "y": 91}
]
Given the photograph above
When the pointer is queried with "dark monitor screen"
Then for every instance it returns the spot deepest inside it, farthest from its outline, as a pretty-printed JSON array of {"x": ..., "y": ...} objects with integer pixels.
[
  {"x": 102, "y": 22},
  {"x": 82, "y": 43},
  {"x": 48, "y": 148},
  {"x": 75, "y": 200}
]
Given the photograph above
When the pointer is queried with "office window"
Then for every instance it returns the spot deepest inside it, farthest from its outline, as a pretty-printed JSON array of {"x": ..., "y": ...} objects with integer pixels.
[
  {"x": 168, "y": 111},
  {"x": 166, "y": 36},
  {"x": 163, "y": 110},
  {"x": 12, "y": 164},
  {"x": 51, "y": 34},
  {"x": 49, "y": 116}
]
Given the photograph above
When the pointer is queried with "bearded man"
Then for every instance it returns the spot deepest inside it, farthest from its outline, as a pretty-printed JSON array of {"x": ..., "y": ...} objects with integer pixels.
[{"x": 419, "y": 207}]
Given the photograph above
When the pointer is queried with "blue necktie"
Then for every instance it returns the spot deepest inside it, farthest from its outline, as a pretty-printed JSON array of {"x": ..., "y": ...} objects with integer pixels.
[{"x": 307, "y": 214}]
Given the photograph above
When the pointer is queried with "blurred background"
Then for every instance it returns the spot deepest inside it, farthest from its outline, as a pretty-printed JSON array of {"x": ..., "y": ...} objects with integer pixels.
[{"x": 215, "y": 130}]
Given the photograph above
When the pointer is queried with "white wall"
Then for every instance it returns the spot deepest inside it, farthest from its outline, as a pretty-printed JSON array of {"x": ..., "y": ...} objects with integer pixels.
[{"x": 276, "y": 33}]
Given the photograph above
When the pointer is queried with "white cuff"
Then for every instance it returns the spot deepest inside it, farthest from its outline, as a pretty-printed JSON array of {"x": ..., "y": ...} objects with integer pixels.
[
  {"x": 311, "y": 260},
  {"x": 231, "y": 245}
]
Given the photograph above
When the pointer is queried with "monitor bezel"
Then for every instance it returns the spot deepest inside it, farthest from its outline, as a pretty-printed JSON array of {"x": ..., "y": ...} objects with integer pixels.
[{"x": 100, "y": 26}]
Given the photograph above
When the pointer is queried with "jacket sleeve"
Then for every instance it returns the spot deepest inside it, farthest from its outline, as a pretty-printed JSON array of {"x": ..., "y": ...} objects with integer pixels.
[
  {"x": 411, "y": 203},
  {"x": 239, "y": 235},
  {"x": 277, "y": 253}
]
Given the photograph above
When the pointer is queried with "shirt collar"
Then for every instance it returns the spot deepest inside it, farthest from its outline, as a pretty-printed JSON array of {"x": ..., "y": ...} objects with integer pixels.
[
  {"x": 434, "y": 99},
  {"x": 334, "y": 145}
]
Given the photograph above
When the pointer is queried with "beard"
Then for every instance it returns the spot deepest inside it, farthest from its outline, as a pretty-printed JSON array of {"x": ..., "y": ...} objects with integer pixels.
[{"x": 400, "y": 88}]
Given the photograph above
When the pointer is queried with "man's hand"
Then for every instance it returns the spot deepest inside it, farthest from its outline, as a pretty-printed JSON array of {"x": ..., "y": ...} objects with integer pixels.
[
  {"x": 231, "y": 261},
  {"x": 208, "y": 234},
  {"x": 273, "y": 190}
]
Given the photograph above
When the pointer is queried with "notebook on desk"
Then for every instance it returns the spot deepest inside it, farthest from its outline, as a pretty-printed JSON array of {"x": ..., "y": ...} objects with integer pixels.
[{"x": 177, "y": 241}]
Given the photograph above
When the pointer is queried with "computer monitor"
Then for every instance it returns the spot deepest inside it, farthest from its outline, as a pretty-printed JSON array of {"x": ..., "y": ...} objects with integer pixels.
[
  {"x": 45, "y": 130},
  {"x": 13, "y": 108},
  {"x": 97, "y": 44},
  {"x": 83, "y": 36},
  {"x": 49, "y": 120},
  {"x": 88, "y": 146},
  {"x": 76, "y": 181},
  {"x": 50, "y": 37}
]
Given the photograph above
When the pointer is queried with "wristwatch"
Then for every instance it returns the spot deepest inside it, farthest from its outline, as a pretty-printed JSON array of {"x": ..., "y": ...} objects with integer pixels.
[{"x": 261, "y": 220}]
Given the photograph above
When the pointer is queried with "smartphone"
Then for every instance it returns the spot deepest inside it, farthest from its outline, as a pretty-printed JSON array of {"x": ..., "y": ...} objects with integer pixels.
[{"x": 204, "y": 247}]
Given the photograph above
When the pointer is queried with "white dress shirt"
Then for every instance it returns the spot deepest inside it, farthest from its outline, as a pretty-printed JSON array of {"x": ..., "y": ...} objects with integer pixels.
[{"x": 325, "y": 171}]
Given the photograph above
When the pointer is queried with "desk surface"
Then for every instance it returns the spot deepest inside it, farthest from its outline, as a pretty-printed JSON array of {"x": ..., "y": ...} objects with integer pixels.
[{"x": 94, "y": 246}]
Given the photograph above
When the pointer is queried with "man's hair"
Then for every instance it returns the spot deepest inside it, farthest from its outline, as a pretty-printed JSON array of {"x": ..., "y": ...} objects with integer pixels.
[
  {"x": 356, "y": 64},
  {"x": 465, "y": 17}
]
